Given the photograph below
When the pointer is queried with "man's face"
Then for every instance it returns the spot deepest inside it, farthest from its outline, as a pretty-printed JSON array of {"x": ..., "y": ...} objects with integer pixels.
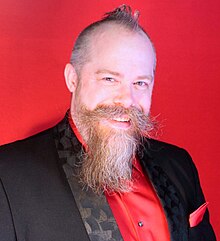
[{"x": 119, "y": 73}]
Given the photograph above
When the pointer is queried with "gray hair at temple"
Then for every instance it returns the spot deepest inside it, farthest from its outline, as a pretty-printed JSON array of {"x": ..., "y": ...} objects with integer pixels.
[{"x": 122, "y": 16}]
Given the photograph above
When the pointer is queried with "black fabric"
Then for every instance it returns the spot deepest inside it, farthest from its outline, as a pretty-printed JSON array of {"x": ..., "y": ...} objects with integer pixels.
[
  {"x": 37, "y": 203},
  {"x": 6, "y": 222},
  {"x": 41, "y": 203},
  {"x": 175, "y": 178},
  {"x": 95, "y": 211},
  {"x": 170, "y": 201}
]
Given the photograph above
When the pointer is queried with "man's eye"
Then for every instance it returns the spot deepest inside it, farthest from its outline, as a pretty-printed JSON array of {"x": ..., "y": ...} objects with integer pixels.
[
  {"x": 109, "y": 79},
  {"x": 141, "y": 84}
]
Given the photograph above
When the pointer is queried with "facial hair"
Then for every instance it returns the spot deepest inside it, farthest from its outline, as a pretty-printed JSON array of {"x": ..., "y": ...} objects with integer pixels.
[{"x": 107, "y": 163}]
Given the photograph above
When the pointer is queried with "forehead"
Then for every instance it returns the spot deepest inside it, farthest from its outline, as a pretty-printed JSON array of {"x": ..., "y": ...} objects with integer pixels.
[
  {"x": 110, "y": 35},
  {"x": 113, "y": 44}
]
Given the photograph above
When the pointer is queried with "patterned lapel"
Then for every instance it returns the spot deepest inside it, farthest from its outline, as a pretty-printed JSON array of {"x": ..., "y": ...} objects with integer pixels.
[
  {"x": 94, "y": 210},
  {"x": 168, "y": 196}
]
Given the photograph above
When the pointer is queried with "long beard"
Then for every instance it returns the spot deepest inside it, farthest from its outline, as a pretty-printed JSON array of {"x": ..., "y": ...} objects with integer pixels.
[{"x": 107, "y": 164}]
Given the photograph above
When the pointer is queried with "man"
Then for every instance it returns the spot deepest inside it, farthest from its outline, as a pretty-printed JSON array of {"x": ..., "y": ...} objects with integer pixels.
[{"x": 97, "y": 175}]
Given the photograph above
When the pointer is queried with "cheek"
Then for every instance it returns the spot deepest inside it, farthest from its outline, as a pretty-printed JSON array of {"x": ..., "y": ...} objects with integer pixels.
[
  {"x": 102, "y": 95},
  {"x": 92, "y": 100},
  {"x": 145, "y": 103}
]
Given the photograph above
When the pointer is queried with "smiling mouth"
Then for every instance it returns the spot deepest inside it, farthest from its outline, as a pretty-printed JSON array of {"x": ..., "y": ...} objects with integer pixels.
[
  {"x": 120, "y": 122},
  {"x": 121, "y": 119}
]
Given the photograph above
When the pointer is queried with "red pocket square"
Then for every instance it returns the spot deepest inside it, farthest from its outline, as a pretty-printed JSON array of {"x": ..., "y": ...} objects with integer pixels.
[{"x": 196, "y": 217}]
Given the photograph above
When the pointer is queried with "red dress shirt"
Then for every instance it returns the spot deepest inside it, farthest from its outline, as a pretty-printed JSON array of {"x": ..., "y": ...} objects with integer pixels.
[{"x": 139, "y": 214}]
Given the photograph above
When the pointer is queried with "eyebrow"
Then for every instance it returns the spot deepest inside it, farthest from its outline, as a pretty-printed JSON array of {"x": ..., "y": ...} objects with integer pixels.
[
  {"x": 107, "y": 71},
  {"x": 141, "y": 77}
]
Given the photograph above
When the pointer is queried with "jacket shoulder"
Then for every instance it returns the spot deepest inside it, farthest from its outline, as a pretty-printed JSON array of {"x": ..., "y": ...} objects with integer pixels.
[
  {"x": 179, "y": 167},
  {"x": 173, "y": 159},
  {"x": 160, "y": 151},
  {"x": 22, "y": 152}
]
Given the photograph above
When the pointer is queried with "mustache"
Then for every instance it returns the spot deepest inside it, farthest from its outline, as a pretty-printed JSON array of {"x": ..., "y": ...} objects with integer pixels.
[{"x": 141, "y": 122}]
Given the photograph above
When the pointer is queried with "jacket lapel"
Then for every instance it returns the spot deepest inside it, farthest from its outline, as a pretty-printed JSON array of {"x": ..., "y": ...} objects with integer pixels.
[
  {"x": 94, "y": 210},
  {"x": 169, "y": 198}
]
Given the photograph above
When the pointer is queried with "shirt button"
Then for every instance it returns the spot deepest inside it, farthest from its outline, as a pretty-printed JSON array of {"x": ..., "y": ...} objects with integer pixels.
[{"x": 140, "y": 224}]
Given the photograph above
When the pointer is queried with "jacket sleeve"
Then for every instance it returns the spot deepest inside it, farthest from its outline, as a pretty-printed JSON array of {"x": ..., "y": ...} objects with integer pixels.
[{"x": 7, "y": 231}]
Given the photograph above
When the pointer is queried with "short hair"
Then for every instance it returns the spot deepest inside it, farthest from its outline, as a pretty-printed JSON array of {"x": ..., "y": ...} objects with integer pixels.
[{"x": 122, "y": 16}]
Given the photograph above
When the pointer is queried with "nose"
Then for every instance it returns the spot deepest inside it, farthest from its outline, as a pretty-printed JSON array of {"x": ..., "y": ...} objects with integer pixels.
[{"x": 124, "y": 97}]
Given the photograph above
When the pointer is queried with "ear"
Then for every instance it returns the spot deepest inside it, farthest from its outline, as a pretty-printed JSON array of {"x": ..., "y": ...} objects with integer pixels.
[{"x": 70, "y": 77}]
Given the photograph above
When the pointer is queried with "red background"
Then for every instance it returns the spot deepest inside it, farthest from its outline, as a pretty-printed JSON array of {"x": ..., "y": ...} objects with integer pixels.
[{"x": 36, "y": 39}]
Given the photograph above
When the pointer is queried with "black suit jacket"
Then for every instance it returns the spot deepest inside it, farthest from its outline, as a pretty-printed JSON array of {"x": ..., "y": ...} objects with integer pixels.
[{"x": 36, "y": 203}]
